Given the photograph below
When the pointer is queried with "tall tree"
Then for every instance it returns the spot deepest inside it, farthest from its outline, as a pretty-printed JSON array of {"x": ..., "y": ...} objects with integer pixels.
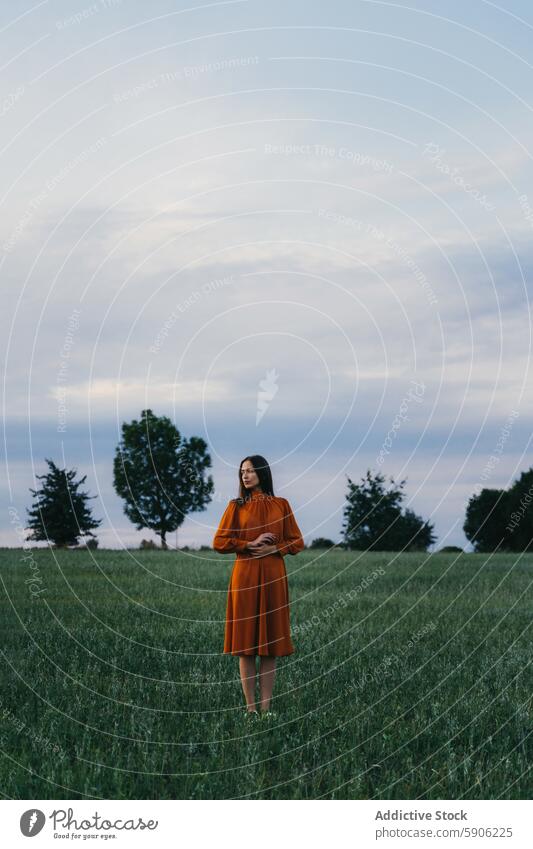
[
  {"x": 414, "y": 534},
  {"x": 374, "y": 521},
  {"x": 60, "y": 512},
  {"x": 160, "y": 475},
  {"x": 520, "y": 513},
  {"x": 485, "y": 520}
]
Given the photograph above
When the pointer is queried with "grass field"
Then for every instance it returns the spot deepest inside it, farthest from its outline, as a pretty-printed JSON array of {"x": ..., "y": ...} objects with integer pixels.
[{"x": 411, "y": 679}]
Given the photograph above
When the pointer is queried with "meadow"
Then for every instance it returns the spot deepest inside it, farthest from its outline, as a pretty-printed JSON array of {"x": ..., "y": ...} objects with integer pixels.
[{"x": 411, "y": 679}]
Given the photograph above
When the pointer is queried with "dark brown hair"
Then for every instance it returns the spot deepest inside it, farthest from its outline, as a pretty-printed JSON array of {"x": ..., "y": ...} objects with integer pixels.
[{"x": 262, "y": 470}]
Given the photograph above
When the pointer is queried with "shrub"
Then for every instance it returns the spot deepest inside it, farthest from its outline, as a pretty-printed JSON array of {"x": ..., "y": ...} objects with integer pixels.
[{"x": 148, "y": 544}]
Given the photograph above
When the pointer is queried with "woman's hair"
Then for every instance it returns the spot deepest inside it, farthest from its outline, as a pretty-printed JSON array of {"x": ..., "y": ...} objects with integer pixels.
[{"x": 262, "y": 470}]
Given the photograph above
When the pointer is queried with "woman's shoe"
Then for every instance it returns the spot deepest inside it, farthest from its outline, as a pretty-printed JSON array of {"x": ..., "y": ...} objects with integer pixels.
[
  {"x": 250, "y": 714},
  {"x": 268, "y": 714}
]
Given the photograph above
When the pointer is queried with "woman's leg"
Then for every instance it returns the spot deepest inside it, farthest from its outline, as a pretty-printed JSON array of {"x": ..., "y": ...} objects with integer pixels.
[
  {"x": 267, "y": 674},
  {"x": 248, "y": 671}
]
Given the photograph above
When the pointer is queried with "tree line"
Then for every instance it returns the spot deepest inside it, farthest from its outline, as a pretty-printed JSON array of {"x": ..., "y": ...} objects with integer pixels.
[{"x": 162, "y": 477}]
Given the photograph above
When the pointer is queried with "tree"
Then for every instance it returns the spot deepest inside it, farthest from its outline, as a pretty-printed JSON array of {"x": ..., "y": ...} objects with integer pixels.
[
  {"x": 485, "y": 520},
  {"x": 500, "y": 519},
  {"x": 60, "y": 512},
  {"x": 519, "y": 525},
  {"x": 160, "y": 475},
  {"x": 413, "y": 533},
  {"x": 373, "y": 518}
]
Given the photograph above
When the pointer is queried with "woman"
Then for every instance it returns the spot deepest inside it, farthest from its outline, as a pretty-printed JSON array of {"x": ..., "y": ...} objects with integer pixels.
[{"x": 259, "y": 528}]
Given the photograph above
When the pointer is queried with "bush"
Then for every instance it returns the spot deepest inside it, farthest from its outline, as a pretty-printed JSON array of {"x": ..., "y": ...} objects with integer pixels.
[
  {"x": 148, "y": 544},
  {"x": 322, "y": 542}
]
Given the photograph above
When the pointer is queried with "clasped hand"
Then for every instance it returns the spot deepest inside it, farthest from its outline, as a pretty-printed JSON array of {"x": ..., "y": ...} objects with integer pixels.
[{"x": 263, "y": 545}]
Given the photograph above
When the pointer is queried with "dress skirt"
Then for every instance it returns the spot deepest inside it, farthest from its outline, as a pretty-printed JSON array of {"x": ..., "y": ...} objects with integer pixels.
[{"x": 257, "y": 610}]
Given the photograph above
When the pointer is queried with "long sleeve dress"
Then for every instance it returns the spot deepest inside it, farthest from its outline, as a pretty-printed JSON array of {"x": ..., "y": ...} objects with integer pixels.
[{"x": 257, "y": 610}]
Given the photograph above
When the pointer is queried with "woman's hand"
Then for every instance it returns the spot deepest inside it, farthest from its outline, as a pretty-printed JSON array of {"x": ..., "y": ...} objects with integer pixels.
[
  {"x": 264, "y": 544},
  {"x": 260, "y": 549},
  {"x": 266, "y": 537}
]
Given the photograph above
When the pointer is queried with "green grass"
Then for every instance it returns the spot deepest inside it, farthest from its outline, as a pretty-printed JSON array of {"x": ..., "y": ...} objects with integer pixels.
[{"x": 119, "y": 663}]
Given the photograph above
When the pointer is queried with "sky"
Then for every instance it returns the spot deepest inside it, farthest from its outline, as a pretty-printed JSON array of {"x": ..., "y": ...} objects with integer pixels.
[{"x": 298, "y": 229}]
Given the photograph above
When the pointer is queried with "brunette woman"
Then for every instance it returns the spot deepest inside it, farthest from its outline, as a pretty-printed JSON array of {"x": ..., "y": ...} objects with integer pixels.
[{"x": 260, "y": 529}]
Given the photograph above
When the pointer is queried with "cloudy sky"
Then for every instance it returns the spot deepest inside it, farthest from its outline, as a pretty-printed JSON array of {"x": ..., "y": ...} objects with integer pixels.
[{"x": 299, "y": 229}]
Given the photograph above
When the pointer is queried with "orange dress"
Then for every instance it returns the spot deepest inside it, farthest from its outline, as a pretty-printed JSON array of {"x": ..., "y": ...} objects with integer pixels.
[{"x": 257, "y": 611}]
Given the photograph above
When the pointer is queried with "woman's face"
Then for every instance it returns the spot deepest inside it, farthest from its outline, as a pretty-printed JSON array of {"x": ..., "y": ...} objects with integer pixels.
[{"x": 249, "y": 476}]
